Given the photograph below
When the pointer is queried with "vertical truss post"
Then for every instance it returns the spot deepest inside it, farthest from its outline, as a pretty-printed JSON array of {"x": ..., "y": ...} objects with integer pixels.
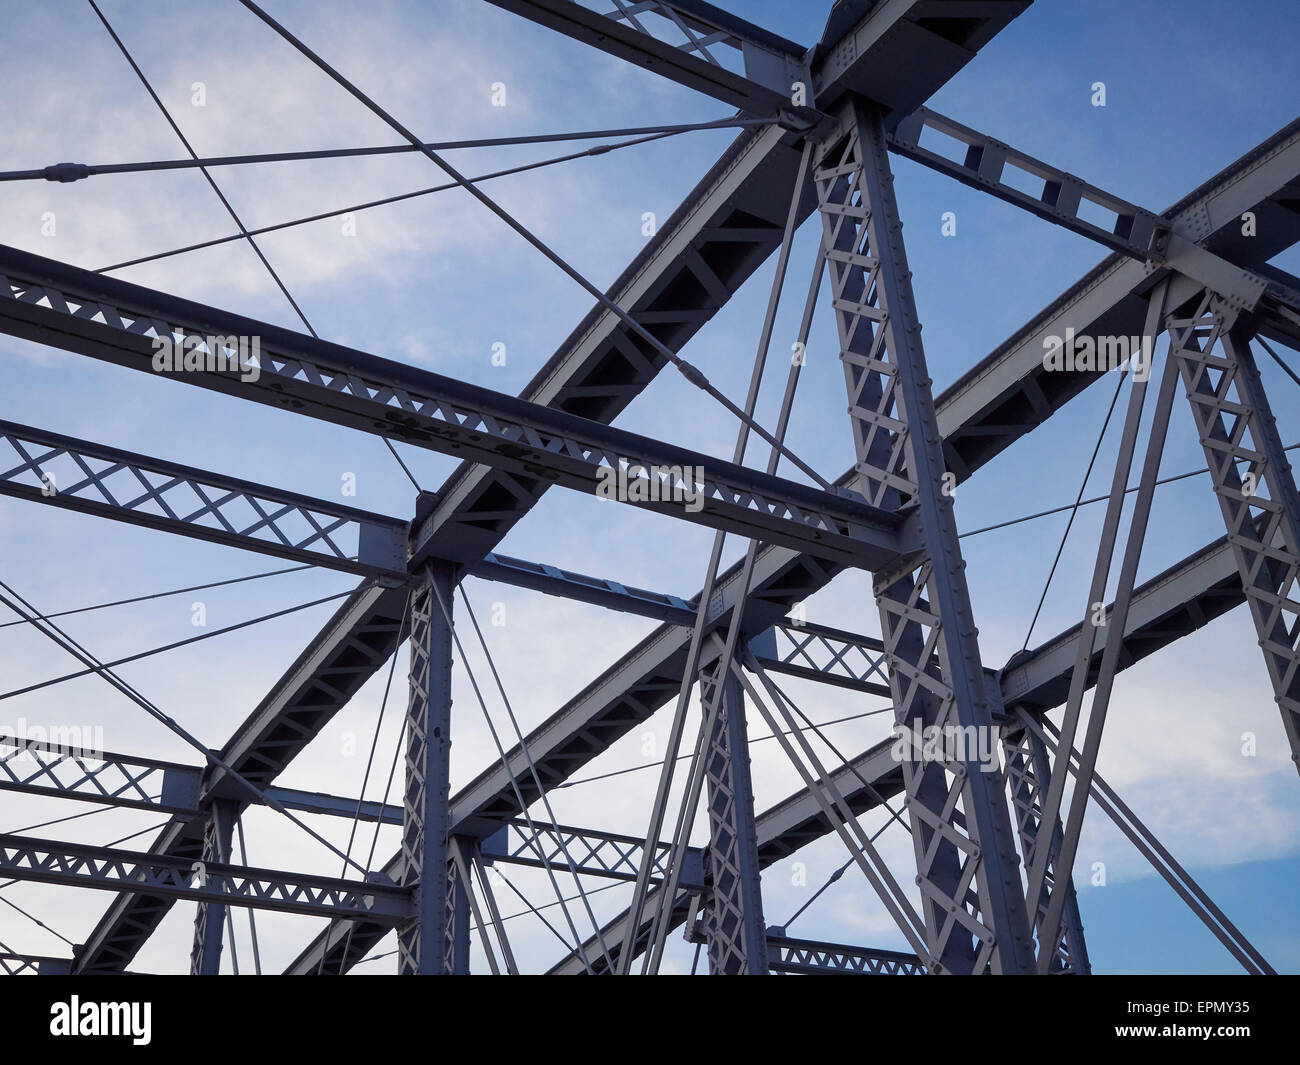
[
  {"x": 1255, "y": 487},
  {"x": 426, "y": 944},
  {"x": 1029, "y": 767},
  {"x": 210, "y": 918},
  {"x": 967, "y": 864},
  {"x": 458, "y": 905},
  {"x": 737, "y": 934}
]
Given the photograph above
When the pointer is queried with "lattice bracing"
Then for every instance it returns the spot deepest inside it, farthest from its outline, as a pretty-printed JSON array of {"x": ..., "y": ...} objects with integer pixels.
[
  {"x": 74, "y": 473},
  {"x": 981, "y": 807},
  {"x": 31, "y": 965},
  {"x": 603, "y": 854},
  {"x": 428, "y": 742},
  {"x": 968, "y": 871},
  {"x": 47, "y": 861},
  {"x": 821, "y": 959},
  {"x": 832, "y": 656},
  {"x": 436, "y": 412},
  {"x": 39, "y": 766},
  {"x": 1028, "y": 767},
  {"x": 218, "y": 834},
  {"x": 737, "y": 937},
  {"x": 1254, "y": 485}
]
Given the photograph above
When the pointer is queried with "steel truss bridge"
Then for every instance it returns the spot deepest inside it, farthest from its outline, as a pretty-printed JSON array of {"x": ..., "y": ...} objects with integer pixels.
[{"x": 991, "y": 889}]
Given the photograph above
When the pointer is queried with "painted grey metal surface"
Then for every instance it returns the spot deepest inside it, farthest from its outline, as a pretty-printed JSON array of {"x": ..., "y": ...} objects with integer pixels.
[{"x": 858, "y": 94}]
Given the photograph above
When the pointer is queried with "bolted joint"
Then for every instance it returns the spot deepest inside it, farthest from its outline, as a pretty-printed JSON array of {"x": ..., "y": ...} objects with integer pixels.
[
  {"x": 695, "y": 932},
  {"x": 799, "y": 119}
]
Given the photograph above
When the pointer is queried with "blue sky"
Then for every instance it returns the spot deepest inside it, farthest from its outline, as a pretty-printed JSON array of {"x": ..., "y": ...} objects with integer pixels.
[{"x": 437, "y": 281}]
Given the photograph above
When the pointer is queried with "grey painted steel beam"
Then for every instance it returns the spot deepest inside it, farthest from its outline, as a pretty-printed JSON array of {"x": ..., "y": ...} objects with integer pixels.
[
  {"x": 105, "y": 868},
  {"x": 599, "y": 591},
  {"x": 985, "y": 164},
  {"x": 626, "y": 694},
  {"x": 1161, "y": 244},
  {"x": 460, "y": 903},
  {"x": 133, "y": 782},
  {"x": 734, "y": 927},
  {"x": 315, "y": 802},
  {"x": 1008, "y": 394},
  {"x": 798, "y": 649},
  {"x": 896, "y": 52},
  {"x": 616, "y": 702},
  {"x": 157, "y": 494},
  {"x": 684, "y": 40},
  {"x": 1283, "y": 325},
  {"x": 33, "y": 965},
  {"x": 20, "y": 964},
  {"x": 128, "y": 781},
  {"x": 1183, "y": 598},
  {"x": 64, "y": 307},
  {"x": 428, "y": 944},
  {"x": 781, "y": 831},
  {"x": 795, "y": 648},
  {"x": 594, "y": 853},
  {"x": 699, "y": 257},
  {"x": 727, "y": 226},
  {"x": 825, "y": 654},
  {"x": 1161, "y": 860},
  {"x": 1002, "y": 398},
  {"x": 62, "y": 771},
  {"x": 813, "y": 958},
  {"x": 351, "y": 647},
  {"x": 1110, "y": 628}
]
